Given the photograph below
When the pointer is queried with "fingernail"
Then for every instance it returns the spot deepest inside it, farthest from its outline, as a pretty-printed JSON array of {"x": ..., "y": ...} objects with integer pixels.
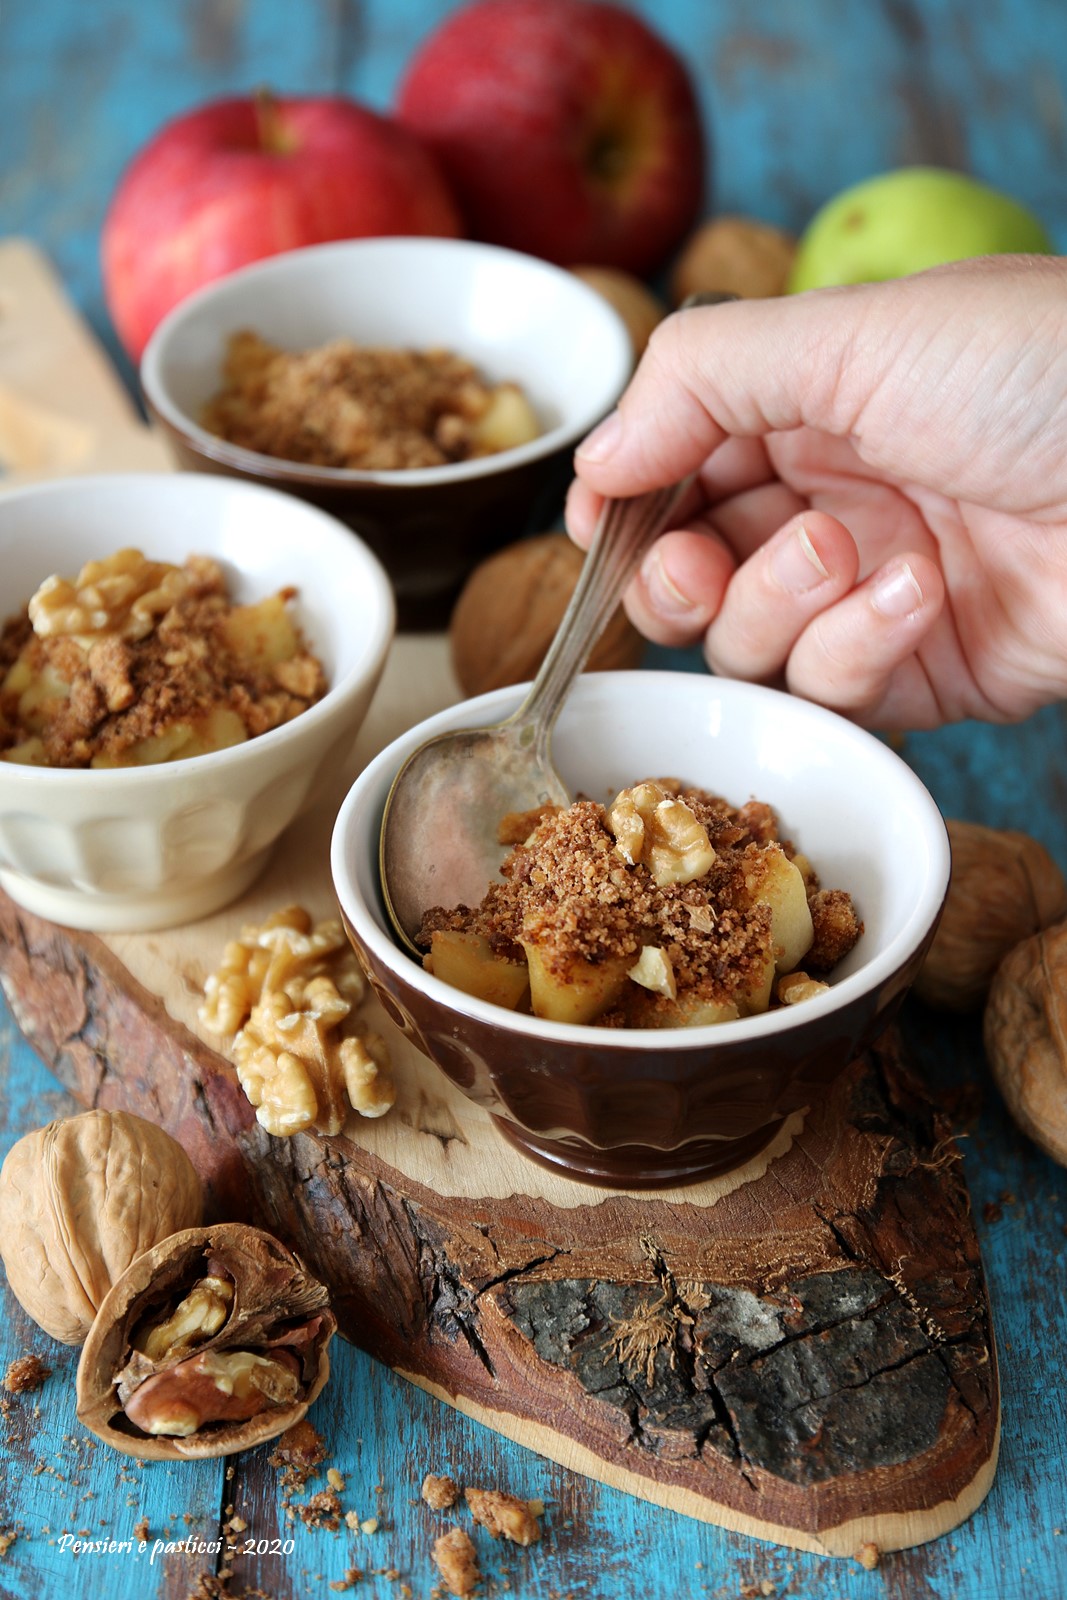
[
  {"x": 796, "y": 564},
  {"x": 665, "y": 595},
  {"x": 604, "y": 439},
  {"x": 896, "y": 592}
]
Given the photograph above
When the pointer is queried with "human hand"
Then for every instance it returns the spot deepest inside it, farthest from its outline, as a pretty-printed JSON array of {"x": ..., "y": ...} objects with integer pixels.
[{"x": 880, "y": 517}]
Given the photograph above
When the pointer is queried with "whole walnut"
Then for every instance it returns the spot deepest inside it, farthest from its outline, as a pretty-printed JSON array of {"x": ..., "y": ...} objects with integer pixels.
[
  {"x": 79, "y": 1200},
  {"x": 1004, "y": 886},
  {"x": 510, "y": 607},
  {"x": 734, "y": 255},
  {"x": 638, "y": 307},
  {"x": 1025, "y": 1029}
]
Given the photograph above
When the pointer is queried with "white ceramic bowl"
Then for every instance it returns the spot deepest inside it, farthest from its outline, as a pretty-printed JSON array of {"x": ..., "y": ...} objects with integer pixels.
[
  {"x": 669, "y": 1104},
  {"x": 514, "y": 316},
  {"x": 131, "y": 849}
]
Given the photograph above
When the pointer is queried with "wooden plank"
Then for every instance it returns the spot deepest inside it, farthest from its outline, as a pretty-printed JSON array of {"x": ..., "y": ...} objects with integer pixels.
[
  {"x": 477, "y": 1272},
  {"x": 62, "y": 408}
]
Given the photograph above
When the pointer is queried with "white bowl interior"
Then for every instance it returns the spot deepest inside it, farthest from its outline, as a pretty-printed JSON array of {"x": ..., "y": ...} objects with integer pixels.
[
  {"x": 515, "y": 317},
  {"x": 265, "y": 541},
  {"x": 859, "y": 813}
]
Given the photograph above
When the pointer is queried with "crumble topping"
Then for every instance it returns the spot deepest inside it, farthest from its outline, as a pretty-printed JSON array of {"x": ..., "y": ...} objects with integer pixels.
[
  {"x": 503, "y": 1515},
  {"x": 137, "y": 662},
  {"x": 439, "y": 1493},
  {"x": 698, "y": 903},
  {"x": 457, "y": 1561},
  {"x": 345, "y": 405}
]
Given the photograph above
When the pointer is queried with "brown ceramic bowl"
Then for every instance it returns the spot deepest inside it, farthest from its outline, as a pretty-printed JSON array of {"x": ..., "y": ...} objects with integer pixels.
[
  {"x": 664, "y": 1106},
  {"x": 515, "y": 317}
]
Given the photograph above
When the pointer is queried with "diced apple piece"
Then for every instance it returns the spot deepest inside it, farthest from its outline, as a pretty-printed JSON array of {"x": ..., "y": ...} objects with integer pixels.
[
  {"x": 775, "y": 881},
  {"x": 589, "y": 988},
  {"x": 468, "y": 962},
  {"x": 262, "y": 633},
  {"x": 153, "y": 750},
  {"x": 757, "y": 998},
  {"x": 508, "y": 421},
  {"x": 30, "y": 753}
]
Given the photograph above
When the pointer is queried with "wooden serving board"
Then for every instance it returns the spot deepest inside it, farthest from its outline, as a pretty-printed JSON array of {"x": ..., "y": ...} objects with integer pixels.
[{"x": 801, "y": 1350}]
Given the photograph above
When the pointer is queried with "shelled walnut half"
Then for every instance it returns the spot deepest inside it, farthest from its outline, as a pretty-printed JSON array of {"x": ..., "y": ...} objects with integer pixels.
[
  {"x": 211, "y": 1342},
  {"x": 285, "y": 993}
]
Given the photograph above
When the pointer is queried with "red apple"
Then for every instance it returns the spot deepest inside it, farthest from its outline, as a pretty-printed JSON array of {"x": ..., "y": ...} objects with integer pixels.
[
  {"x": 567, "y": 129},
  {"x": 241, "y": 179}
]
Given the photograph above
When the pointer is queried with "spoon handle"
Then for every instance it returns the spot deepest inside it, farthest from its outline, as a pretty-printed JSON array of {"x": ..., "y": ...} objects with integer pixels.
[{"x": 626, "y": 531}]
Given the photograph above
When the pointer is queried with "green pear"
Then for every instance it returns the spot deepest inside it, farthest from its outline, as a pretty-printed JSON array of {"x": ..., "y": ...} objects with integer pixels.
[{"x": 904, "y": 221}]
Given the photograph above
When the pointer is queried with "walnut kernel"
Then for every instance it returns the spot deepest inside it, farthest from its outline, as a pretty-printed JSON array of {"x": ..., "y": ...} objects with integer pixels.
[
  {"x": 285, "y": 991},
  {"x": 208, "y": 1387}
]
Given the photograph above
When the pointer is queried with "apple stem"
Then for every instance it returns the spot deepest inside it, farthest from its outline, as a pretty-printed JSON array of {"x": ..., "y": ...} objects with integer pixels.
[{"x": 269, "y": 128}]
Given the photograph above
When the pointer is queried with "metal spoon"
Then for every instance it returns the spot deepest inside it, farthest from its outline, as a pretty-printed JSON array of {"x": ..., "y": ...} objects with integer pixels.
[{"x": 439, "y": 842}]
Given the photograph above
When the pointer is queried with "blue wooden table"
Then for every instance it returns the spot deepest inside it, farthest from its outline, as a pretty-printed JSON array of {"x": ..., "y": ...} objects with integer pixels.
[{"x": 800, "y": 100}]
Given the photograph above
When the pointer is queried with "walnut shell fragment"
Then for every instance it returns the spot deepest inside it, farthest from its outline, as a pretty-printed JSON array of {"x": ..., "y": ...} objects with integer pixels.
[
  {"x": 211, "y": 1342},
  {"x": 1004, "y": 886},
  {"x": 1025, "y": 1030},
  {"x": 79, "y": 1200}
]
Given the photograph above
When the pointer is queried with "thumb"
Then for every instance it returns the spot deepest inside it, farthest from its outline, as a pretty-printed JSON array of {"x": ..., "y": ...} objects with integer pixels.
[{"x": 746, "y": 368}]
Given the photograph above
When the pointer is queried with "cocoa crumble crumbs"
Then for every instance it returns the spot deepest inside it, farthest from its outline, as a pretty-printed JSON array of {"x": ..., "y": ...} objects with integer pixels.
[
  {"x": 321, "y": 1510},
  {"x": 457, "y": 1561},
  {"x": 683, "y": 917},
  {"x": 439, "y": 1493},
  {"x": 25, "y": 1374},
  {"x": 137, "y": 661},
  {"x": 344, "y": 405},
  {"x": 503, "y": 1515},
  {"x": 836, "y": 928}
]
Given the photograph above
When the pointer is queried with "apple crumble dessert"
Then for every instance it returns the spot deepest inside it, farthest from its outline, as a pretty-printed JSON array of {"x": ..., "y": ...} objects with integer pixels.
[
  {"x": 136, "y": 662},
  {"x": 668, "y": 908},
  {"x": 379, "y": 410}
]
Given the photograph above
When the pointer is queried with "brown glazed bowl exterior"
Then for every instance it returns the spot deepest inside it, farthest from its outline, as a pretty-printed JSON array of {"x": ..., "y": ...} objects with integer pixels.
[
  {"x": 516, "y": 318},
  {"x": 428, "y": 537},
  {"x": 654, "y": 1107}
]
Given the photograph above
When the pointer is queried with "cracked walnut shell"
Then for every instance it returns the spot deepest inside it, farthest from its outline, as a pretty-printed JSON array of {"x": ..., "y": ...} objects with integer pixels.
[
  {"x": 211, "y": 1342},
  {"x": 1025, "y": 1029},
  {"x": 1004, "y": 887},
  {"x": 79, "y": 1200}
]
